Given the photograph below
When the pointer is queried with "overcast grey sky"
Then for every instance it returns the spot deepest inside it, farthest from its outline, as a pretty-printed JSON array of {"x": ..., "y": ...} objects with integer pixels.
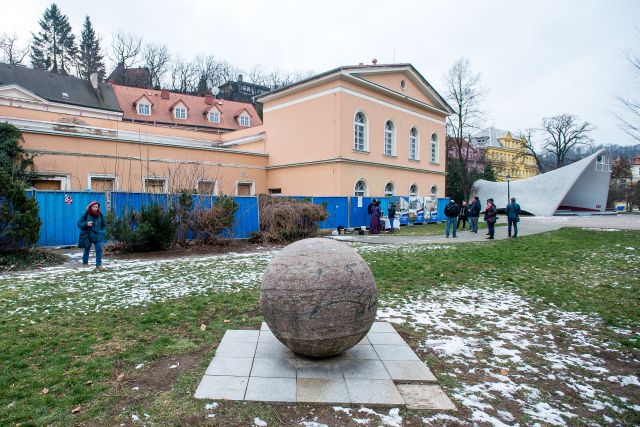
[{"x": 537, "y": 58}]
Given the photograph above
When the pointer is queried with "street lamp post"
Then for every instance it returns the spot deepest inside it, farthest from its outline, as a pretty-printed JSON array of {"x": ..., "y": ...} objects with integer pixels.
[{"x": 508, "y": 189}]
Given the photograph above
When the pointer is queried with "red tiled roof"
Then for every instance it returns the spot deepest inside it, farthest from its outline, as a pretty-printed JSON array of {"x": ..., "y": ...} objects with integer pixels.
[{"x": 162, "y": 111}]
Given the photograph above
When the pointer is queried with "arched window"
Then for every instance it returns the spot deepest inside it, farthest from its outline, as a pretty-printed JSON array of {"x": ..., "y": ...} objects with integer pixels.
[
  {"x": 434, "y": 191},
  {"x": 360, "y": 132},
  {"x": 413, "y": 144},
  {"x": 413, "y": 190},
  {"x": 389, "y": 189},
  {"x": 389, "y": 138},
  {"x": 360, "y": 189},
  {"x": 434, "y": 148}
]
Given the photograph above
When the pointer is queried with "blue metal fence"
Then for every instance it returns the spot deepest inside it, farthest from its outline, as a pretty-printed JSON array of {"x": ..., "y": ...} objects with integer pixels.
[{"x": 59, "y": 212}]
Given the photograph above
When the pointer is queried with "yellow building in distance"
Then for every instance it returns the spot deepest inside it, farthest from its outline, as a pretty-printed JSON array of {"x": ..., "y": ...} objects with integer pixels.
[{"x": 507, "y": 154}]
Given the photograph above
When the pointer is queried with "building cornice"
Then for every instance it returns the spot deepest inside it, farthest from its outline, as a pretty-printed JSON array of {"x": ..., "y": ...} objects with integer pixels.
[
  {"x": 354, "y": 161},
  {"x": 119, "y": 135}
]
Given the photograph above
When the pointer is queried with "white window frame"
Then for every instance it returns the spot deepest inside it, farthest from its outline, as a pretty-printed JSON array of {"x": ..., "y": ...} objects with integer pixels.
[
  {"x": 175, "y": 113},
  {"x": 414, "y": 193},
  {"x": 102, "y": 176},
  {"x": 365, "y": 133},
  {"x": 252, "y": 192},
  {"x": 215, "y": 185},
  {"x": 414, "y": 142},
  {"x": 603, "y": 164},
  {"x": 433, "y": 154},
  {"x": 388, "y": 193},
  {"x": 389, "y": 138},
  {"x": 366, "y": 188},
  {"x": 216, "y": 113},
  {"x": 64, "y": 179},
  {"x": 143, "y": 104},
  {"x": 165, "y": 187},
  {"x": 243, "y": 119}
]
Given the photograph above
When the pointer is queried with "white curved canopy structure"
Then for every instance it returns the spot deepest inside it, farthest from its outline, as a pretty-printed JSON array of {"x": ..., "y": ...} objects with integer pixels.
[{"x": 580, "y": 186}]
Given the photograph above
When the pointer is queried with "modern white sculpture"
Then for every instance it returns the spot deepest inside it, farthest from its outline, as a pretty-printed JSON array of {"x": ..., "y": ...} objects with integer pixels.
[{"x": 580, "y": 186}]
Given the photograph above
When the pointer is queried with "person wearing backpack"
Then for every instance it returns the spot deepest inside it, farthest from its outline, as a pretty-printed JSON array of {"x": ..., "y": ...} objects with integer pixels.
[
  {"x": 474, "y": 214},
  {"x": 490, "y": 216},
  {"x": 451, "y": 211},
  {"x": 513, "y": 216},
  {"x": 92, "y": 227}
]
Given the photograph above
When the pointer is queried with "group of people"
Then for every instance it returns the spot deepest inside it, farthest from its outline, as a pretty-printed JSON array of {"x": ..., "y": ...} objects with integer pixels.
[
  {"x": 375, "y": 216},
  {"x": 470, "y": 212}
]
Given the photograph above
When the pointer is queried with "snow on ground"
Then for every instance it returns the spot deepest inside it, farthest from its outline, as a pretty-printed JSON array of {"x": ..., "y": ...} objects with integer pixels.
[
  {"x": 127, "y": 283},
  {"x": 510, "y": 359}
]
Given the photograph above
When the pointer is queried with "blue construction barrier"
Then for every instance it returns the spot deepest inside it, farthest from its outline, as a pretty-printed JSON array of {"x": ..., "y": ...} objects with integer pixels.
[
  {"x": 337, "y": 211},
  {"x": 59, "y": 212}
]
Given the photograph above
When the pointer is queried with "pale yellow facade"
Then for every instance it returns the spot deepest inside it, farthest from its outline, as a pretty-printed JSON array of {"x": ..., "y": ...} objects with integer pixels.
[
  {"x": 511, "y": 158},
  {"x": 305, "y": 146}
]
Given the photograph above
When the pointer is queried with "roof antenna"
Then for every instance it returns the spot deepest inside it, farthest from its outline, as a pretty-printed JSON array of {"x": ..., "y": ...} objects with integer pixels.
[{"x": 374, "y": 61}]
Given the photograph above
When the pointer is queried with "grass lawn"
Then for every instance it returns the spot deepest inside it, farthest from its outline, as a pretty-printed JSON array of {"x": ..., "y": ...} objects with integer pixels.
[{"x": 547, "y": 324}]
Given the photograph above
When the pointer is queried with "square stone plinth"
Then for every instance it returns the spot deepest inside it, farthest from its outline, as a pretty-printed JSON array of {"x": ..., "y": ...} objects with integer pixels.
[
  {"x": 419, "y": 396},
  {"x": 256, "y": 366}
]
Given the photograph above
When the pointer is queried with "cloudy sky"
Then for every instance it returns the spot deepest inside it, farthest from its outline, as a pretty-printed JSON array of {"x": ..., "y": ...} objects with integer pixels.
[{"x": 537, "y": 58}]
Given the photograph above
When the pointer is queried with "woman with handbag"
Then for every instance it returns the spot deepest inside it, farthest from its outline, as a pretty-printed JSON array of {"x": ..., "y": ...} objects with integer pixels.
[
  {"x": 490, "y": 216},
  {"x": 92, "y": 227}
]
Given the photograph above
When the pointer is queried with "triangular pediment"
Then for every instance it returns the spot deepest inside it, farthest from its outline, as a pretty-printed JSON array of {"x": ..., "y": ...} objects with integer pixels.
[
  {"x": 404, "y": 81},
  {"x": 15, "y": 91}
]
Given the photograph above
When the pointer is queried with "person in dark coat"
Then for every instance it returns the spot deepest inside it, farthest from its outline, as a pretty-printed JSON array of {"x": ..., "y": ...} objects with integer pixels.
[
  {"x": 374, "y": 227},
  {"x": 462, "y": 217},
  {"x": 490, "y": 216},
  {"x": 513, "y": 216},
  {"x": 392, "y": 215},
  {"x": 451, "y": 211},
  {"x": 93, "y": 226},
  {"x": 474, "y": 214}
]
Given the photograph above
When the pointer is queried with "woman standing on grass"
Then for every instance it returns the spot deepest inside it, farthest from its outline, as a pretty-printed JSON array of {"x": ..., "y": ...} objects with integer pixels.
[
  {"x": 490, "y": 216},
  {"x": 92, "y": 227}
]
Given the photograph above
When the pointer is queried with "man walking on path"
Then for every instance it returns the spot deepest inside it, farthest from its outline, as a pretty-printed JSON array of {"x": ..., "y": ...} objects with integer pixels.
[
  {"x": 513, "y": 216},
  {"x": 474, "y": 214},
  {"x": 451, "y": 211}
]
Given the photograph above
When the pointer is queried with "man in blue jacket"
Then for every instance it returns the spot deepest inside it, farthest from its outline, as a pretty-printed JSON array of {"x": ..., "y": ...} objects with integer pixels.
[
  {"x": 513, "y": 216},
  {"x": 93, "y": 227}
]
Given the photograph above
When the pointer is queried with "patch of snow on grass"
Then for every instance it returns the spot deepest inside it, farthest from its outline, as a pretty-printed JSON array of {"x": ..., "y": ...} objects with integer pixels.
[
  {"x": 259, "y": 423},
  {"x": 500, "y": 347}
]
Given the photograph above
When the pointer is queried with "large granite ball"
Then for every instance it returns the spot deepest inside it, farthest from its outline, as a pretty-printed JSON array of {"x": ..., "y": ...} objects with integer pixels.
[{"x": 318, "y": 297}]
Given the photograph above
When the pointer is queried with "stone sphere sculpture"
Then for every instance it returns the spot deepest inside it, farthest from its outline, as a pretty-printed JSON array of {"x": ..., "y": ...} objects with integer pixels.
[{"x": 318, "y": 297}]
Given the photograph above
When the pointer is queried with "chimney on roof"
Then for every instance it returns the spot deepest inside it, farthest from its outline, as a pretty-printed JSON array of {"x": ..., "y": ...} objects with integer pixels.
[
  {"x": 240, "y": 77},
  {"x": 164, "y": 94},
  {"x": 208, "y": 99},
  {"x": 93, "y": 78},
  {"x": 361, "y": 64},
  {"x": 374, "y": 61}
]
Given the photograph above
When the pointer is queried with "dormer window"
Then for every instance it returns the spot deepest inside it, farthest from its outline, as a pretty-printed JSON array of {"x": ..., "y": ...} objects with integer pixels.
[
  {"x": 180, "y": 113},
  {"x": 144, "y": 109},
  {"x": 244, "y": 121},
  {"x": 214, "y": 117}
]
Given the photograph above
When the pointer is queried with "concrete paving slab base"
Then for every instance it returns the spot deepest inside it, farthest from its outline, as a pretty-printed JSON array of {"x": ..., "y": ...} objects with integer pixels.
[{"x": 380, "y": 370}]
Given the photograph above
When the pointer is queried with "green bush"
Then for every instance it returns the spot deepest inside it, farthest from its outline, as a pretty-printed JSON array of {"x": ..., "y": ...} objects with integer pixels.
[
  {"x": 19, "y": 221},
  {"x": 153, "y": 228}
]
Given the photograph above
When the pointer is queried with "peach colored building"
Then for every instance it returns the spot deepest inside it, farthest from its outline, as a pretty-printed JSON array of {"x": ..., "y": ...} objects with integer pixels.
[{"x": 363, "y": 130}]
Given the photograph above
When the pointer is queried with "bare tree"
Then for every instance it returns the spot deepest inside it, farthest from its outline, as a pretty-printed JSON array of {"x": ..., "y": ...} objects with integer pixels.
[
  {"x": 565, "y": 134},
  {"x": 208, "y": 72},
  {"x": 12, "y": 53},
  {"x": 529, "y": 148},
  {"x": 184, "y": 77},
  {"x": 156, "y": 58},
  {"x": 464, "y": 93},
  {"x": 629, "y": 121},
  {"x": 228, "y": 72},
  {"x": 125, "y": 48},
  {"x": 258, "y": 75}
]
